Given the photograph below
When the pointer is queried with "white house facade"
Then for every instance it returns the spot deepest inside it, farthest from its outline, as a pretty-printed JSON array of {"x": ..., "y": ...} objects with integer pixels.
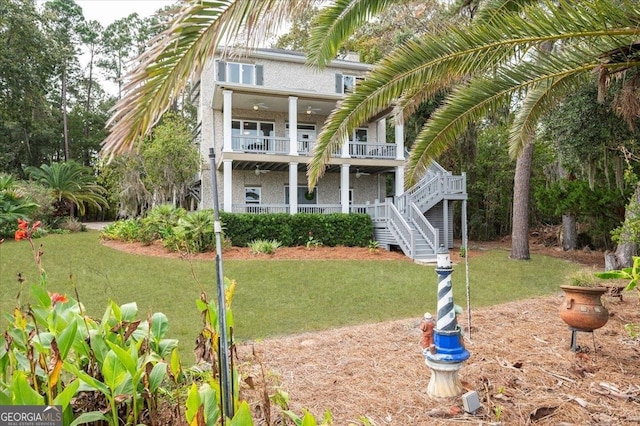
[{"x": 260, "y": 114}]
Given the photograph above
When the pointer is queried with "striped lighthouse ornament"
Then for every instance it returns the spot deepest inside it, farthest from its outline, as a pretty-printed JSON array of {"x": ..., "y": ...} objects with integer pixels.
[{"x": 446, "y": 308}]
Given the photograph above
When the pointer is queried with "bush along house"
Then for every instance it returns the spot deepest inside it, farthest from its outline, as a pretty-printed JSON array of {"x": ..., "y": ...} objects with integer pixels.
[{"x": 261, "y": 113}]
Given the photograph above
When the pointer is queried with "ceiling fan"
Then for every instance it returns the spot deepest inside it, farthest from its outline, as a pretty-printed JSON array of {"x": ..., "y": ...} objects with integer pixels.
[
  {"x": 259, "y": 105},
  {"x": 359, "y": 173},
  {"x": 311, "y": 110},
  {"x": 260, "y": 171}
]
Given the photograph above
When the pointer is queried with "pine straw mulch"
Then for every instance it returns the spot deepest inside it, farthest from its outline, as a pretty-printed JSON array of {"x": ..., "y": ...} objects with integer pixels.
[
  {"x": 520, "y": 363},
  {"x": 520, "y": 366}
]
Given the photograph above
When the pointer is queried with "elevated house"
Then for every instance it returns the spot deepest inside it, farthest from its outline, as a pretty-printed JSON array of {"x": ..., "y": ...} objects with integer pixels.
[{"x": 261, "y": 114}]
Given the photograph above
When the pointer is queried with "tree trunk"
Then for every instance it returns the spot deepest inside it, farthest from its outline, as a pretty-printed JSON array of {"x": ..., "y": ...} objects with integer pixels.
[
  {"x": 569, "y": 232},
  {"x": 65, "y": 127},
  {"x": 521, "y": 190},
  {"x": 627, "y": 248}
]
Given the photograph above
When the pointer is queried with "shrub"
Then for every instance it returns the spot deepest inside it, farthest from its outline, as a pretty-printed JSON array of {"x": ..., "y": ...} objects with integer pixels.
[
  {"x": 122, "y": 230},
  {"x": 264, "y": 246}
]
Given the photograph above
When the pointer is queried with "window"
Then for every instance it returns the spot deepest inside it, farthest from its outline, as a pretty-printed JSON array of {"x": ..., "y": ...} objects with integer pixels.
[
  {"x": 304, "y": 196},
  {"x": 347, "y": 83},
  {"x": 360, "y": 135},
  {"x": 252, "y": 195},
  {"x": 236, "y": 72}
]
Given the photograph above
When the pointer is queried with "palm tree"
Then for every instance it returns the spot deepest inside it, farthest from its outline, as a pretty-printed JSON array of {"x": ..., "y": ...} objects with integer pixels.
[
  {"x": 71, "y": 185},
  {"x": 496, "y": 61}
]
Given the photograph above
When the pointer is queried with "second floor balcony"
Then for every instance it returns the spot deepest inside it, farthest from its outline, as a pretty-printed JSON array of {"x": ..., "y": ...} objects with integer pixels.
[{"x": 281, "y": 146}]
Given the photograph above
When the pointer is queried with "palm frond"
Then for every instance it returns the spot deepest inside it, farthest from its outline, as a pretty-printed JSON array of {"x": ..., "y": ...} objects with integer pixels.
[
  {"x": 180, "y": 52},
  {"x": 476, "y": 51},
  {"x": 336, "y": 23},
  {"x": 536, "y": 103}
]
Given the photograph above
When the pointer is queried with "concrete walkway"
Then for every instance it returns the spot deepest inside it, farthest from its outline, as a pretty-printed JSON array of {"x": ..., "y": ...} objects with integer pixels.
[{"x": 97, "y": 226}]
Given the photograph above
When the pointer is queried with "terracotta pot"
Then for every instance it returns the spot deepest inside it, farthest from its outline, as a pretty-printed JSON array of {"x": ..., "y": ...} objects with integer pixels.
[{"x": 582, "y": 308}]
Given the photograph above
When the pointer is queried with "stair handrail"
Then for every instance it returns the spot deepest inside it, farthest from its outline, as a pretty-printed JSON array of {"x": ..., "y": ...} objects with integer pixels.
[
  {"x": 426, "y": 190},
  {"x": 399, "y": 227},
  {"x": 426, "y": 230}
]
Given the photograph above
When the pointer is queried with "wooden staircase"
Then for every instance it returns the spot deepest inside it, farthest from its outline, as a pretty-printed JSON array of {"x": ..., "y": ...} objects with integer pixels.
[{"x": 409, "y": 221}]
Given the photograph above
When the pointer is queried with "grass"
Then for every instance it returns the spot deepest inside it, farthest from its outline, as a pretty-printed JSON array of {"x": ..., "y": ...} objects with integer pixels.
[{"x": 274, "y": 297}]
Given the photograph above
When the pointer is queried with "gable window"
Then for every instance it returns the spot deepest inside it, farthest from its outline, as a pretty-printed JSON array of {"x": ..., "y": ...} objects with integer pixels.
[
  {"x": 347, "y": 83},
  {"x": 237, "y": 72}
]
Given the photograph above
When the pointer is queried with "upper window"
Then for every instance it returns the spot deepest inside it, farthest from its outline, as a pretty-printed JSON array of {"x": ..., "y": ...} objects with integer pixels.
[
  {"x": 347, "y": 83},
  {"x": 236, "y": 72}
]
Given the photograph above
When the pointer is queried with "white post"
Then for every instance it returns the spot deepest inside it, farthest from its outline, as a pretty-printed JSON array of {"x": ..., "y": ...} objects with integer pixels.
[
  {"x": 399, "y": 129},
  {"x": 293, "y": 187},
  {"x": 344, "y": 188},
  {"x": 226, "y": 120},
  {"x": 293, "y": 127},
  {"x": 345, "y": 149},
  {"x": 399, "y": 189},
  {"x": 227, "y": 185},
  {"x": 382, "y": 130}
]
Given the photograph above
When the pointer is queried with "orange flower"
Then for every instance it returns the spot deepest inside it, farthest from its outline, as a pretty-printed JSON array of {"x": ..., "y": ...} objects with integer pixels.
[
  {"x": 23, "y": 224},
  {"x": 20, "y": 234},
  {"x": 57, "y": 297}
]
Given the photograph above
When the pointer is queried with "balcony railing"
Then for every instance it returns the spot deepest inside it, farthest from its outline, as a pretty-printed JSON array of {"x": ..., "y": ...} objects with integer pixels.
[
  {"x": 302, "y": 208},
  {"x": 277, "y": 145}
]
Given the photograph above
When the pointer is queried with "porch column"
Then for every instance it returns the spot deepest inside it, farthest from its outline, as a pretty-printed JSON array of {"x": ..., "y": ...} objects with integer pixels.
[
  {"x": 345, "y": 149},
  {"x": 344, "y": 188},
  {"x": 399, "y": 189},
  {"x": 226, "y": 120},
  {"x": 293, "y": 127},
  {"x": 227, "y": 178},
  {"x": 381, "y": 129},
  {"x": 399, "y": 129},
  {"x": 293, "y": 186}
]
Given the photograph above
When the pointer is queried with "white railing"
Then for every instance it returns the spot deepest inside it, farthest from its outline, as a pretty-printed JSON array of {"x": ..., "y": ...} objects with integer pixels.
[
  {"x": 276, "y": 145},
  {"x": 428, "y": 232},
  {"x": 401, "y": 230},
  {"x": 260, "y": 144},
  {"x": 372, "y": 150}
]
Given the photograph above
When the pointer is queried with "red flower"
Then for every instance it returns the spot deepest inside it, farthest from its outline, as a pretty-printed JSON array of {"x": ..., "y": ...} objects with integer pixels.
[
  {"x": 23, "y": 224},
  {"x": 20, "y": 234},
  {"x": 57, "y": 297}
]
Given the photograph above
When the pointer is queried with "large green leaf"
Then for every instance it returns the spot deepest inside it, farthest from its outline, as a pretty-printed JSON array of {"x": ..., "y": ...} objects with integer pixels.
[
  {"x": 113, "y": 371},
  {"x": 159, "y": 326},
  {"x": 22, "y": 392},
  {"x": 69, "y": 391},
  {"x": 91, "y": 417},
  {"x": 242, "y": 416},
  {"x": 66, "y": 339},
  {"x": 157, "y": 375}
]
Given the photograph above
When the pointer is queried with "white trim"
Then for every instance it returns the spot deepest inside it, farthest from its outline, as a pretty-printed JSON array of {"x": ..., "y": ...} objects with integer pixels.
[
  {"x": 399, "y": 131},
  {"x": 399, "y": 189},
  {"x": 293, "y": 182},
  {"x": 293, "y": 123},
  {"x": 226, "y": 114}
]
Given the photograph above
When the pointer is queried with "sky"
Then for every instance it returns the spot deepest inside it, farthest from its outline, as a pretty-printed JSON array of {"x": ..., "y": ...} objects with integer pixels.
[{"x": 107, "y": 11}]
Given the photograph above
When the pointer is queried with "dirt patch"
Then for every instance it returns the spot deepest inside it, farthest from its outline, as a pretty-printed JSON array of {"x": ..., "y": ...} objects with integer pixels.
[{"x": 520, "y": 365}]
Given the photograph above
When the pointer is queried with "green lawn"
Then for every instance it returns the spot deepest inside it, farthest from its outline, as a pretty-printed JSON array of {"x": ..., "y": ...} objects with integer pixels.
[{"x": 273, "y": 297}]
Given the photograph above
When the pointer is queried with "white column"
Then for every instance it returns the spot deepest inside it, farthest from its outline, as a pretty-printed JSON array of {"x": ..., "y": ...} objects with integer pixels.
[
  {"x": 345, "y": 149},
  {"x": 293, "y": 187},
  {"x": 399, "y": 129},
  {"x": 399, "y": 189},
  {"x": 227, "y": 177},
  {"x": 344, "y": 188},
  {"x": 293, "y": 126},
  {"x": 226, "y": 120},
  {"x": 381, "y": 129},
  {"x": 445, "y": 226}
]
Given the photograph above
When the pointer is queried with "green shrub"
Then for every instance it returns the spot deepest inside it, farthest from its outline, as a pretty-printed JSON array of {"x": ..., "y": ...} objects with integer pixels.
[
  {"x": 264, "y": 246},
  {"x": 160, "y": 223},
  {"x": 122, "y": 230},
  {"x": 194, "y": 232}
]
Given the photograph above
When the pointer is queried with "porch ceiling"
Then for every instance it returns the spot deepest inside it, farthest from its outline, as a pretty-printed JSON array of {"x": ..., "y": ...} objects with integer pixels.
[
  {"x": 275, "y": 101},
  {"x": 302, "y": 167}
]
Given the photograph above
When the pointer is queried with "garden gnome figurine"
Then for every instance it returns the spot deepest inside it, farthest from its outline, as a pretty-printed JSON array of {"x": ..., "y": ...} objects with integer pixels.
[{"x": 426, "y": 326}]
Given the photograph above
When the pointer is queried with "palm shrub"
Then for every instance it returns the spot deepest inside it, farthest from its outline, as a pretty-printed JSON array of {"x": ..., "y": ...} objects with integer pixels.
[
  {"x": 193, "y": 233},
  {"x": 71, "y": 184},
  {"x": 160, "y": 222},
  {"x": 14, "y": 205},
  {"x": 122, "y": 230}
]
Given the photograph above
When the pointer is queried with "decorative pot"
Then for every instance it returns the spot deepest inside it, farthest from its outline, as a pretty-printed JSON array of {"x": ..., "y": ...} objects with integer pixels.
[{"x": 582, "y": 308}]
